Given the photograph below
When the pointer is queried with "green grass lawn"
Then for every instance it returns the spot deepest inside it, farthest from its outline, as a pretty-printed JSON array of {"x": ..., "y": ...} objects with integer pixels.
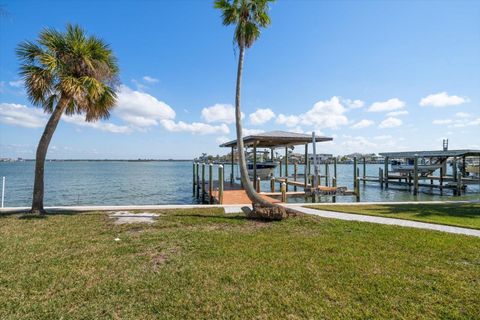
[
  {"x": 454, "y": 214},
  {"x": 204, "y": 264}
]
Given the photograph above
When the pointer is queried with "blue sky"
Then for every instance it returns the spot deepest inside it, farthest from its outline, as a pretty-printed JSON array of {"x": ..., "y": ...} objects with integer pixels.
[{"x": 376, "y": 76}]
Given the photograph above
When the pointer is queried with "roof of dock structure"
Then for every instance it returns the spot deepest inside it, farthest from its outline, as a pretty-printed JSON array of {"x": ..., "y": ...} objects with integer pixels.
[
  {"x": 277, "y": 139},
  {"x": 433, "y": 154}
]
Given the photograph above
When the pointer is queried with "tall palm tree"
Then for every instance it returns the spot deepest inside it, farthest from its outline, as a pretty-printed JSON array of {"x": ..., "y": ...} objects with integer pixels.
[
  {"x": 248, "y": 16},
  {"x": 66, "y": 72}
]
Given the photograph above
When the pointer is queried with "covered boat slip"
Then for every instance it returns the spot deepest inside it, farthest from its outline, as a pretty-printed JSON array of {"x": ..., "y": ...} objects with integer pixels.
[
  {"x": 284, "y": 140},
  {"x": 410, "y": 167}
]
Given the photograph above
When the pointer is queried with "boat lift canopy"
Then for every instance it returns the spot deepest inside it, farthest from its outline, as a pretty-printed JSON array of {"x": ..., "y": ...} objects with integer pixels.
[
  {"x": 276, "y": 139},
  {"x": 432, "y": 154}
]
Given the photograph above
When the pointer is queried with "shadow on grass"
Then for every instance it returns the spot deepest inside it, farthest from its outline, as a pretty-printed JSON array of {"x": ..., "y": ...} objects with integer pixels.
[
  {"x": 25, "y": 215},
  {"x": 471, "y": 211}
]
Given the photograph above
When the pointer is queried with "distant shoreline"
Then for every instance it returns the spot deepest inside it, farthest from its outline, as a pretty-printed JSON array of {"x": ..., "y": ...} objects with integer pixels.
[{"x": 106, "y": 160}]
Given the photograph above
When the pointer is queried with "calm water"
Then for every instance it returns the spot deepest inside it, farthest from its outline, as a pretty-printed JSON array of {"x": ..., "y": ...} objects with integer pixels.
[{"x": 124, "y": 183}]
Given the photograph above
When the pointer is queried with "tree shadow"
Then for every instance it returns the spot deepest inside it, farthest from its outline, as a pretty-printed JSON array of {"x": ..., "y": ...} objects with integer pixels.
[
  {"x": 471, "y": 211},
  {"x": 25, "y": 215}
]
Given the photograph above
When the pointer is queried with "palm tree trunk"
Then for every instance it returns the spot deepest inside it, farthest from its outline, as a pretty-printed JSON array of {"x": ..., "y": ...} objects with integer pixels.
[
  {"x": 247, "y": 185},
  {"x": 38, "y": 186}
]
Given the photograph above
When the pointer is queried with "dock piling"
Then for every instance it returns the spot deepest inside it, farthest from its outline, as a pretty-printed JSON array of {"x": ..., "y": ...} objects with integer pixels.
[
  {"x": 283, "y": 189},
  {"x": 220, "y": 184},
  {"x": 415, "y": 175},
  {"x": 459, "y": 184},
  {"x": 380, "y": 177},
  {"x": 194, "y": 177},
  {"x": 272, "y": 184},
  {"x": 355, "y": 173},
  {"x": 385, "y": 172},
  {"x": 357, "y": 190},
  {"x": 258, "y": 185},
  {"x": 197, "y": 187},
  {"x": 210, "y": 183},
  {"x": 203, "y": 182},
  {"x": 295, "y": 168},
  {"x": 364, "y": 170}
]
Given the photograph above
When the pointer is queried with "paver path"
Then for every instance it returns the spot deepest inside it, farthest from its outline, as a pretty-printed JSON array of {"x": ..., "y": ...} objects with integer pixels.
[{"x": 389, "y": 221}]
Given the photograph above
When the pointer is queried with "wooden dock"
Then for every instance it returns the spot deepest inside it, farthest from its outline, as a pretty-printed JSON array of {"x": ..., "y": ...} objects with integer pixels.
[{"x": 233, "y": 193}]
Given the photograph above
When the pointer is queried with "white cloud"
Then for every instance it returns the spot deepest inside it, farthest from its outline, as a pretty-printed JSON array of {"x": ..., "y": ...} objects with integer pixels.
[
  {"x": 16, "y": 83},
  {"x": 442, "y": 99},
  {"x": 389, "y": 105},
  {"x": 289, "y": 121},
  {"x": 443, "y": 121},
  {"x": 390, "y": 123},
  {"x": 194, "y": 127},
  {"x": 353, "y": 104},
  {"x": 397, "y": 113},
  {"x": 224, "y": 113},
  {"x": 364, "y": 123},
  {"x": 323, "y": 114},
  {"x": 79, "y": 120},
  {"x": 463, "y": 115},
  {"x": 141, "y": 109},
  {"x": 261, "y": 116},
  {"x": 383, "y": 137},
  {"x": 22, "y": 116},
  {"x": 150, "y": 79},
  {"x": 458, "y": 123},
  {"x": 326, "y": 114}
]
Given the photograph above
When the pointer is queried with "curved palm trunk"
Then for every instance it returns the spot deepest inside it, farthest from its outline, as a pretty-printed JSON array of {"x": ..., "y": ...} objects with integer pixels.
[
  {"x": 38, "y": 187},
  {"x": 247, "y": 185}
]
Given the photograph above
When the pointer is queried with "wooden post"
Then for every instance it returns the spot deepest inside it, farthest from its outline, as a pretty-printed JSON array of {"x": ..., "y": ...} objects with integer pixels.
[
  {"x": 220, "y": 184},
  {"x": 326, "y": 173},
  {"x": 454, "y": 169},
  {"x": 255, "y": 164},
  {"x": 283, "y": 189},
  {"x": 380, "y": 177},
  {"x": 415, "y": 175},
  {"x": 441, "y": 180},
  {"x": 258, "y": 185},
  {"x": 335, "y": 169},
  {"x": 364, "y": 169},
  {"x": 210, "y": 183},
  {"x": 197, "y": 188},
  {"x": 203, "y": 182},
  {"x": 272, "y": 184},
  {"x": 354, "y": 173},
  {"x": 231, "y": 167},
  {"x": 295, "y": 168},
  {"x": 459, "y": 184},
  {"x": 334, "y": 184},
  {"x": 305, "y": 168},
  {"x": 357, "y": 190},
  {"x": 194, "y": 177},
  {"x": 385, "y": 172},
  {"x": 286, "y": 165},
  {"x": 280, "y": 165}
]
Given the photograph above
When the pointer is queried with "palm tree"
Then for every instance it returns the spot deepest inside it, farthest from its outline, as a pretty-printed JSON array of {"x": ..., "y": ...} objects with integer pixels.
[
  {"x": 248, "y": 16},
  {"x": 66, "y": 72}
]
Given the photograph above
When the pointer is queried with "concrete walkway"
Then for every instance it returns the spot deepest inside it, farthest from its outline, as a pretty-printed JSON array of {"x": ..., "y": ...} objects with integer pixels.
[{"x": 389, "y": 221}]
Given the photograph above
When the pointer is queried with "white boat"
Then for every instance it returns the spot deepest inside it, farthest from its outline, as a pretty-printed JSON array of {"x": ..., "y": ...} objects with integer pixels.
[
  {"x": 473, "y": 169},
  {"x": 406, "y": 168},
  {"x": 265, "y": 170}
]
